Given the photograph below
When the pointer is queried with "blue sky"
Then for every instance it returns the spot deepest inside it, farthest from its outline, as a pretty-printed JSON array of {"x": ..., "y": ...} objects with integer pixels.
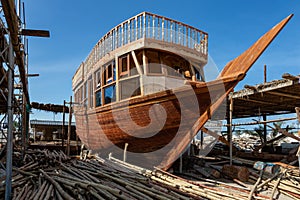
[{"x": 76, "y": 26}]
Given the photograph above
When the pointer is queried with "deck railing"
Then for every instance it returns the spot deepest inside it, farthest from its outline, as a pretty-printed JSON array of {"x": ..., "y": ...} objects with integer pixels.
[{"x": 147, "y": 25}]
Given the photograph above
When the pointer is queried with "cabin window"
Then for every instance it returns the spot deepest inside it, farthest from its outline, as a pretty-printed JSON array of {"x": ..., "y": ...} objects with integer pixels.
[
  {"x": 98, "y": 79},
  {"x": 123, "y": 63},
  {"x": 127, "y": 66},
  {"x": 130, "y": 88},
  {"x": 109, "y": 73},
  {"x": 198, "y": 75},
  {"x": 109, "y": 94},
  {"x": 174, "y": 71},
  {"x": 133, "y": 70},
  {"x": 153, "y": 65},
  {"x": 99, "y": 98}
]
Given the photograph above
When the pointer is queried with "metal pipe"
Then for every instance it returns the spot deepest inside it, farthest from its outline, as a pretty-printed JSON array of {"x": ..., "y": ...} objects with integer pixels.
[{"x": 10, "y": 123}]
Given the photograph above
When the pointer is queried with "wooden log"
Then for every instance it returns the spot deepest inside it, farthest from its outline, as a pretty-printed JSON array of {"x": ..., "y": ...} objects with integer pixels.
[
  {"x": 40, "y": 190},
  {"x": 238, "y": 172},
  {"x": 267, "y": 181},
  {"x": 57, "y": 186},
  {"x": 42, "y": 196},
  {"x": 277, "y": 183},
  {"x": 256, "y": 184},
  {"x": 49, "y": 192},
  {"x": 95, "y": 194},
  {"x": 135, "y": 193}
]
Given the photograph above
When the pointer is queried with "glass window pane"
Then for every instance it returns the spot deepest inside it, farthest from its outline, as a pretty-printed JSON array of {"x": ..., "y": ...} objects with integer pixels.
[
  {"x": 109, "y": 94},
  {"x": 98, "y": 98}
]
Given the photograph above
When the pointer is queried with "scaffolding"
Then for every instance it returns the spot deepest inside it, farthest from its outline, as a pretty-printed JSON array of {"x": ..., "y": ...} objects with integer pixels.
[{"x": 14, "y": 95}]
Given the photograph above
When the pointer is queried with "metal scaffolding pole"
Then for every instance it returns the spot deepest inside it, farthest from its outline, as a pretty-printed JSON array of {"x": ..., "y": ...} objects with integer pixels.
[{"x": 10, "y": 123}]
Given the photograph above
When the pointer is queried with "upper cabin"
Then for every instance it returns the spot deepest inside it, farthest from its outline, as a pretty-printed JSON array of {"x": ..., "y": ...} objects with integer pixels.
[{"x": 144, "y": 48}]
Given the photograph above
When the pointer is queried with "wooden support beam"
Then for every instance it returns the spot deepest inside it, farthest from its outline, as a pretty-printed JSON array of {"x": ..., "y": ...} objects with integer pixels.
[
  {"x": 281, "y": 94},
  {"x": 28, "y": 75},
  {"x": 37, "y": 33},
  {"x": 298, "y": 113},
  {"x": 290, "y": 77},
  {"x": 217, "y": 136},
  {"x": 262, "y": 122},
  {"x": 250, "y": 87},
  {"x": 136, "y": 62},
  {"x": 257, "y": 101}
]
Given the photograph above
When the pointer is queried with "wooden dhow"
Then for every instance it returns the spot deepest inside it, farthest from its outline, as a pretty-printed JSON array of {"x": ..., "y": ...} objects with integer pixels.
[{"x": 142, "y": 91}]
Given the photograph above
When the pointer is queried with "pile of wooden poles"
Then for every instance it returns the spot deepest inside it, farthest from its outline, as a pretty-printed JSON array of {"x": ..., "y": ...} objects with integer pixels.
[
  {"x": 52, "y": 175},
  {"x": 286, "y": 182}
]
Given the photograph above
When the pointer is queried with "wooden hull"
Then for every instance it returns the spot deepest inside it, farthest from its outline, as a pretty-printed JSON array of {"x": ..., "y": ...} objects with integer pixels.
[{"x": 157, "y": 127}]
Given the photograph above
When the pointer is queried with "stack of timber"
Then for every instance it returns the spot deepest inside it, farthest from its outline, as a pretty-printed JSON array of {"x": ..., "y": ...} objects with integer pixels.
[{"x": 44, "y": 174}]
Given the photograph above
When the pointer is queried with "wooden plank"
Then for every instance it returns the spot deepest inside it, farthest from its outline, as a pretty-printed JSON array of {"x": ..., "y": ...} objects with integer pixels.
[
  {"x": 37, "y": 33},
  {"x": 281, "y": 94},
  {"x": 290, "y": 77}
]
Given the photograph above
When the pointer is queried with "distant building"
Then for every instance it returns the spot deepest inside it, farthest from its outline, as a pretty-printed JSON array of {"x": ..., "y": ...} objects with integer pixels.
[{"x": 51, "y": 130}]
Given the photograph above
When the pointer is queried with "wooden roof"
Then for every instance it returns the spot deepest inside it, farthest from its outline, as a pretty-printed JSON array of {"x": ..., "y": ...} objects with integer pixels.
[{"x": 271, "y": 98}]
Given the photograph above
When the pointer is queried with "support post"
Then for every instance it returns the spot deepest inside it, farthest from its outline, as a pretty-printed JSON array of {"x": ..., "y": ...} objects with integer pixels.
[
  {"x": 124, "y": 153},
  {"x": 265, "y": 73},
  {"x": 69, "y": 126},
  {"x": 230, "y": 127},
  {"x": 227, "y": 117},
  {"x": 63, "y": 126},
  {"x": 265, "y": 128},
  {"x": 180, "y": 163},
  {"x": 10, "y": 123},
  {"x": 24, "y": 123}
]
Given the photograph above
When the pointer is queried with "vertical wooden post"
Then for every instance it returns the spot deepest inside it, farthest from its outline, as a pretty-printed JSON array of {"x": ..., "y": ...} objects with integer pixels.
[
  {"x": 265, "y": 128},
  {"x": 63, "y": 126},
  {"x": 265, "y": 73},
  {"x": 201, "y": 140},
  {"x": 180, "y": 163},
  {"x": 230, "y": 127},
  {"x": 69, "y": 126}
]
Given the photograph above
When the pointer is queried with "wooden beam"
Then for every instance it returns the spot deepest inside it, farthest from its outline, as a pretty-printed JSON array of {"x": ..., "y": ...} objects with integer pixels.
[
  {"x": 290, "y": 77},
  {"x": 284, "y": 94},
  {"x": 257, "y": 101},
  {"x": 145, "y": 62},
  {"x": 262, "y": 122},
  {"x": 286, "y": 133},
  {"x": 37, "y": 33},
  {"x": 28, "y": 75},
  {"x": 250, "y": 87},
  {"x": 138, "y": 67},
  {"x": 298, "y": 113}
]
